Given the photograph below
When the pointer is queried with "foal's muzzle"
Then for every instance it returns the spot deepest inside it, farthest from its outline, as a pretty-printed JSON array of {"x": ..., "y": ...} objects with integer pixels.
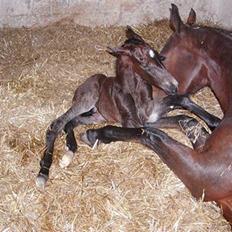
[
  {"x": 170, "y": 88},
  {"x": 173, "y": 89}
]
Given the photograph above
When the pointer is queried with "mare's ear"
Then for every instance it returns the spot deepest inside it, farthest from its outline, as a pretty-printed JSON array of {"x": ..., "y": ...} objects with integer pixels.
[
  {"x": 116, "y": 51},
  {"x": 175, "y": 21},
  {"x": 130, "y": 34},
  {"x": 192, "y": 17}
]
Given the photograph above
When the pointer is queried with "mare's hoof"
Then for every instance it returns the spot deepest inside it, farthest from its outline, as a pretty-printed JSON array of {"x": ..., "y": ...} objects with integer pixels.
[
  {"x": 41, "y": 181},
  {"x": 66, "y": 159}
]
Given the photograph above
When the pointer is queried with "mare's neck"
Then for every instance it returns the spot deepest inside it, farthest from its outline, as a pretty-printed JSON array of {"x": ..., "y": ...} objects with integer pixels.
[
  {"x": 220, "y": 81},
  {"x": 214, "y": 48}
]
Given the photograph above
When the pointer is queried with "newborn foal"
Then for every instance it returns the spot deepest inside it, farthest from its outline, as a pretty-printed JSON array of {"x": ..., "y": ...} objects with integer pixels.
[{"x": 130, "y": 98}]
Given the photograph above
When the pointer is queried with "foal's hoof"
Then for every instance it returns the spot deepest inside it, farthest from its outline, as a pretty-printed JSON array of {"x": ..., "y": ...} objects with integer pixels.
[
  {"x": 66, "y": 159},
  {"x": 84, "y": 139},
  {"x": 92, "y": 142},
  {"x": 41, "y": 181}
]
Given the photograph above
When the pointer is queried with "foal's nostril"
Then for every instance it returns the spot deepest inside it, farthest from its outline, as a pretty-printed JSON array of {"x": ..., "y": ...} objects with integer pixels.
[{"x": 173, "y": 89}]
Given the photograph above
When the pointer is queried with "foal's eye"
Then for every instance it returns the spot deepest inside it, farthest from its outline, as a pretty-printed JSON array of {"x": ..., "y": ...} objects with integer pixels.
[{"x": 151, "y": 53}]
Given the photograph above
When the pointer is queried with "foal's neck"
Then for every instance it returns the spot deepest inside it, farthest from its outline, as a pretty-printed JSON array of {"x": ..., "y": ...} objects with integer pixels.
[
  {"x": 130, "y": 79},
  {"x": 125, "y": 71}
]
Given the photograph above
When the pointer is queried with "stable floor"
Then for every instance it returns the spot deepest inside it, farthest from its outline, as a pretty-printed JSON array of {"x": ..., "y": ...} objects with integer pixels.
[{"x": 115, "y": 187}]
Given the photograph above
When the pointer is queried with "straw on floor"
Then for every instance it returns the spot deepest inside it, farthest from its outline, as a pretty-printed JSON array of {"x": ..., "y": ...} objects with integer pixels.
[{"x": 116, "y": 187}]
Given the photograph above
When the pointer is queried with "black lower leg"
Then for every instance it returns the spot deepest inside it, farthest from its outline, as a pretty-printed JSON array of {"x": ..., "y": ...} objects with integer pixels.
[
  {"x": 150, "y": 137},
  {"x": 46, "y": 161},
  {"x": 109, "y": 134},
  {"x": 195, "y": 132},
  {"x": 186, "y": 103},
  {"x": 70, "y": 137},
  {"x": 51, "y": 135}
]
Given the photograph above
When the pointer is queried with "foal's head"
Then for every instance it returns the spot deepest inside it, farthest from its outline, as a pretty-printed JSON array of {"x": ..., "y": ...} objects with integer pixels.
[{"x": 147, "y": 62}]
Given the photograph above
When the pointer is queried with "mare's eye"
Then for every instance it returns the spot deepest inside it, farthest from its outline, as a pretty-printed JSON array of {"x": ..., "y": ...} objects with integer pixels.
[{"x": 151, "y": 53}]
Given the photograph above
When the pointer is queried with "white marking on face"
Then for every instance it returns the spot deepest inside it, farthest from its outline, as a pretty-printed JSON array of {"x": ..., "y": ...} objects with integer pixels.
[{"x": 151, "y": 53}]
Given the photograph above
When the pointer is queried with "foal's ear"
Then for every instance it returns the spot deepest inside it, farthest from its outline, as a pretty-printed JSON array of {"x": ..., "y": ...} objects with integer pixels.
[
  {"x": 130, "y": 34},
  {"x": 192, "y": 17},
  {"x": 116, "y": 51},
  {"x": 175, "y": 21}
]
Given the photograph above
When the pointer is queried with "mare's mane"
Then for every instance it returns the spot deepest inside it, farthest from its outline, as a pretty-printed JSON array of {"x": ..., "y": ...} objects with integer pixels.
[{"x": 224, "y": 32}]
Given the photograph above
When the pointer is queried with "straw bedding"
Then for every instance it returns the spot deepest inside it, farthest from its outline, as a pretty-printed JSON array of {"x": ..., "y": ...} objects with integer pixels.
[{"x": 116, "y": 187}]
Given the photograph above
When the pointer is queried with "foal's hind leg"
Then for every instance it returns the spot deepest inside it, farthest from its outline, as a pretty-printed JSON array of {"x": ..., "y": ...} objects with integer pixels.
[
  {"x": 90, "y": 117},
  {"x": 71, "y": 144},
  {"x": 85, "y": 98},
  {"x": 195, "y": 132},
  {"x": 84, "y": 118}
]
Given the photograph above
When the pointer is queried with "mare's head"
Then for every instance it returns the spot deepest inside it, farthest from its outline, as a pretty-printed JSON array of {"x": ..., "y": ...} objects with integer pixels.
[
  {"x": 145, "y": 61},
  {"x": 186, "y": 52},
  {"x": 199, "y": 56}
]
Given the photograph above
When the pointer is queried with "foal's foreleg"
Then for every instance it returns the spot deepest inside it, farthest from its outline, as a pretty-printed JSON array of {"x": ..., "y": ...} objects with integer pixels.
[
  {"x": 185, "y": 102},
  {"x": 195, "y": 132}
]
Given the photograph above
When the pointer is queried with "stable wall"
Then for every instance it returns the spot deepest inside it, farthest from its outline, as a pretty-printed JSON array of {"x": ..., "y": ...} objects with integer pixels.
[{"x": 18, "y": 13}]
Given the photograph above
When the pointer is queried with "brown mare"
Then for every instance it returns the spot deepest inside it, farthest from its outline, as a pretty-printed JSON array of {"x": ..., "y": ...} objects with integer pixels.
[
  {"x": 196, "y": 57},
  {"x": 130, "y": 98}
]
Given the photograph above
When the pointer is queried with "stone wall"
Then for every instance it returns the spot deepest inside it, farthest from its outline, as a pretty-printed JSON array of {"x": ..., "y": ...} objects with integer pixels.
[{"x": 17, "y": 13}]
